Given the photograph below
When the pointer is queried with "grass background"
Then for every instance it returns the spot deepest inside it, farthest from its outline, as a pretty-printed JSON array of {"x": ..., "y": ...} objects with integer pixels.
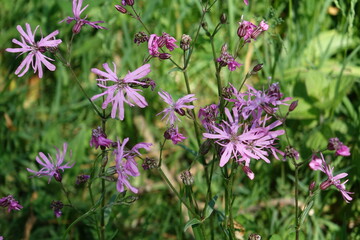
[{"x": 311, "y": 48}]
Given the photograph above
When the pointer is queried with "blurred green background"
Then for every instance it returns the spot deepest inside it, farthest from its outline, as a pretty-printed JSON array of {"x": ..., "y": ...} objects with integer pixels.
[{"x": 311, "y": 48}]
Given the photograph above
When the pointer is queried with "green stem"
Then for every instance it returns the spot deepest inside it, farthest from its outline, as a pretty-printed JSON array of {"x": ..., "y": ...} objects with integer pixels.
[
  {"x": 102, "y": 171},
  {"x": 93, "y": 204}
]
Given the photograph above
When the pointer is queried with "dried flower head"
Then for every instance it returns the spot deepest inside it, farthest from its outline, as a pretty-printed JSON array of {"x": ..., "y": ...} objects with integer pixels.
[{"x": 56, "y": 206}]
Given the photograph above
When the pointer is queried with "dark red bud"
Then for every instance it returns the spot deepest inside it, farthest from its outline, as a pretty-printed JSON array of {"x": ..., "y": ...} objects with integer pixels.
[
  {"x": 258, "y": 67},
  {"x": 223, "y": 18},
  {"x": 164, "y": 56},
  {"x": 121, "y": 9},
  {"x": 180, "y": 111},
  {"x": 129, "y": 2},
  {"x": 293, "y": 105}
]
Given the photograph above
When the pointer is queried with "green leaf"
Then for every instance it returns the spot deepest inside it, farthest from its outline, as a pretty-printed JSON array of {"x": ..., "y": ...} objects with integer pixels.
[
  {"x": 210, "y": 207},
  {"x": 305, "y": 213},
  {"x": 275, "y": 237},
  {"x": 175, "y": 69},
  {"x": 191, "y": 223}
]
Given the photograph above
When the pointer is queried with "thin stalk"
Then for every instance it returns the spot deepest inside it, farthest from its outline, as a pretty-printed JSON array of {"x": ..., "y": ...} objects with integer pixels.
[
  {"x": 296, "y": 200},
  {"x": 102, "y": 171},
  {"x": 96, "y": 218}
]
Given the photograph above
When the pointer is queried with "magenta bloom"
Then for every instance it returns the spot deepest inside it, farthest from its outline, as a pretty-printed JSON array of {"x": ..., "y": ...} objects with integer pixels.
[
  {"x": 339, "y": 147},
  {"x": 52, "y": 168},
  {"x": 121, "y": 91},
  {"x": 174, "y": 135},
  {"x": 155, "y": 42},
  {"x": 76, "y": 8},
  {"x": 319, "y": 164},
  {"x": 246, "y": 2},
  {"x": 56, "y": 206},
  {"x": 10, "y": 203},
  {"x": 35, "y": 49},
  {"x": 99, "y": 138},
  {"x": 243, "y": 143},
  {"x": 208, "y": 116},
  {"x": 248, "y": 30},
  {"x": 175, "y": 107},
  {"x": 226, "y": 59},
  {"x": 124, "y": 169}
]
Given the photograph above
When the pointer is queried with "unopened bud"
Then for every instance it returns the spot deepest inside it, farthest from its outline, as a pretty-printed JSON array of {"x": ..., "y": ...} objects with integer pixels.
[
  {"x": 141, "y": 37},
  {"x": 248, "y": 172},
  {"x": 291, "y": 152},
  {"x": 223, "y": 18},
  {"x": 293, "y": 105},
  {"x": 241, "y": 32},
  {"x": 120, "y": 9},
  {"x": 185, "y": 42},
  {"x": 258, "y": 67},
  {"x": 325, "y": 185},
  {"x": 205, "y": 147},
  {"x": 204, "y": 26},
  {"x": 254, "y": 236},
  {"x": 164, "y": 56},
  {"x": 187, "y": 178},
  {"x": 190, "y": 113},
  {"x": 82, "y": 179},
  {"x": 129, "y": 2},
  {"x": 77, "y": 27}
]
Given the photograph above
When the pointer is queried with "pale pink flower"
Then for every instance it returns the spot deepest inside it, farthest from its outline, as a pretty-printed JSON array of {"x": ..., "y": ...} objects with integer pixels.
[
  {"x": 319, "y": 164},
  {"x": 10, "y": 203},
  {"x": 175, "y": 107},
  {"x": 248, "y": 30},
  {"x": 155, "y": 42},
  {"x": 174, "y": 135},
  {"x": 124, "y": 169},
  {"x": 99, "y": 138},
  {"x": 76, "y": 8},
  {"x": 52, "y": 168},
  {"x": 35, "y": 49},
  {"x": 226, "y": 59},
  {"x": 121, "y": 91}
]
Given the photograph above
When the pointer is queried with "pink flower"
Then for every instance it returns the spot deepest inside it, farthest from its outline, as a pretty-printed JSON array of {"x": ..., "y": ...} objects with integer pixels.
[
  {"x": 246, "y": 2},
  {"x": 226, "y": 59},
  {"x": 99, "y": 138},
  {"x": 173, "y": 134},
  {"x": 243, "y": 143},
  {"x": 52, "y": 168},
  {"x": 339, "y": 147},
  {"x": 36, "y": 49},
  {"x": 121, "y": 91},
  {"x": 155, "y": 42},
  {"x": 76, "y": 8},
  {"x": 10, "y": 203},
  {"x": 175, "y": 107},
  {"x": 248, "y": 30},
  {"x": 319, "y": 164},
  {"x": 208, "y": 116},
  {"x": 124, "y": 169}
]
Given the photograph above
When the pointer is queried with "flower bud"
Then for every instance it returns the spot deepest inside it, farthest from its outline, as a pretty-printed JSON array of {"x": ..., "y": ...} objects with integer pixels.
[
  {"x": 258, "y": 67},
  {"x": 312, "y": 186},
  {"x": 241, "y": 32},
  {"x": 205, "y": 147},
  {"x": 129, "y": 2},
  {"x": 82, "y": 179},
  {"x": 223, "y": 18},
  {"x": 248, "y": 172},
  {"x": 77, "y": 27},
  {"x": 56, "y": 206},
  {"x": 42, "y": 49},
  {"x": 120, "y": 9},
  {"x": 254, "y": 236},
  {"x": 164, "y": 56},
  {"x": 141, "y": 37},
  {"x": 180, "y": 111},
  {"x": 149, "y": 163},
  {"x": 187, "y": 178},
  {"x": 291, "y": 152},
  {"x": 293, "y": 105},
  {"x": 269, "y": 110},
  {"x": 185, "y": 42}
]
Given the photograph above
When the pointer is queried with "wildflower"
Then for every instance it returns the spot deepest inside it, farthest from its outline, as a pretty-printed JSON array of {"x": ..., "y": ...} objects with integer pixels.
[
  {"x": 319, "y": 164},
  {"x": 263, "y": 26},
  {"x": 155, "y": 42},
  {"x": 246, "y": 2},
  {"x": 82, "y": 179},
  {"x": 122, "y": 169},
  {"x": 175, "y": 107},
  {"x": 120, "y": 8},
  {"x": 76, "y": 8},
  {"x": 248, "y": 30},
  {"x": 248, "y": 172},
  {"x": 251, "y": 143},
  {"x": 226, "y": 59},
  {"x": 121, "y": 92},
  {"x": 56, "y": 206},
  {"x": 185, "y": 42},
  {"x": 10, "y": 203},
  {"x": 99, "y": 138},
  {"x": 51, "y": 168},
  {"x": 339, "y": 147},
  {"x": 36, "y": 49},
  {"x": 173, "y": 134},
  {"x": 291, "y": 152}
]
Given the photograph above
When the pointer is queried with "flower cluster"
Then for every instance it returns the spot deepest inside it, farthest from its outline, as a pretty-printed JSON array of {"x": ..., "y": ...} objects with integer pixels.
[
  {"x": 226, "y": 59},
  {"x": 52, "y": 168},
  {"x": 248, "y": 30},
  {"x": 319, "y": 164},
  {"x": 171, "y": 113},
  {"x": 10, "y": 203},
  {"x": 340, "y": 148},
  {"x": 156, "y": 42}
]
